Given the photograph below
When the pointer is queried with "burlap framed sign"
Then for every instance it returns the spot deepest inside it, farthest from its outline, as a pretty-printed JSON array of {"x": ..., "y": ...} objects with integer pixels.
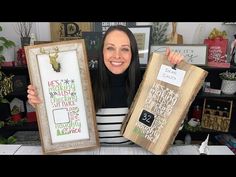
[
  {"x": 66, "y": 118},
  {"x": 161, "y": 103}
]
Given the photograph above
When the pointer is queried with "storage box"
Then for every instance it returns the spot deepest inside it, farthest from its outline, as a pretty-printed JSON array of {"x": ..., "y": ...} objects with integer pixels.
[
  {"x": 161, "y": 103},
  {"x": 217, "y": 114}
]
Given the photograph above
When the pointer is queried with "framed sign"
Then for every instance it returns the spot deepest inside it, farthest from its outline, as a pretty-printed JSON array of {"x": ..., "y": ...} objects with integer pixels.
[
  {"x": 61, "y": 31},
  {"x": 66, "y": 118},
  {"x": 93, "y": 42},
  {"x": 193, "y": 54},
  {"x": 103, "y": 26},
  {"x": 142, "y": 35}
]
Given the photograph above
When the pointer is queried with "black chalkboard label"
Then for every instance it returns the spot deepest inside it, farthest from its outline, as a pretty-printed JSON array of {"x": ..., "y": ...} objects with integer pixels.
[{"x": 146, "y": 118}]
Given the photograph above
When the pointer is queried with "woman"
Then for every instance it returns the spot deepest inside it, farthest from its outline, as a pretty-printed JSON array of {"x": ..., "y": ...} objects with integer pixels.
[{"x": 114, "y": 83}]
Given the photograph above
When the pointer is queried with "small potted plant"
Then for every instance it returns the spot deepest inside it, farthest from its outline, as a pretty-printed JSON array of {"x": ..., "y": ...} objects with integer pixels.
[
  {"x": 24, "y": 30},
  {"x": 228, "y": 82}
]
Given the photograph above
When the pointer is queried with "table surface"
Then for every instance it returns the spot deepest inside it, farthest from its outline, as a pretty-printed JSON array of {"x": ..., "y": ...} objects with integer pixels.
[{"x": 18, "y": 149}]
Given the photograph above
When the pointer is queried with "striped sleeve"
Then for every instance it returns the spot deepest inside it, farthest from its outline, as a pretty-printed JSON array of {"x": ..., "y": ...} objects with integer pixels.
[{"x": 109, "y": 121}]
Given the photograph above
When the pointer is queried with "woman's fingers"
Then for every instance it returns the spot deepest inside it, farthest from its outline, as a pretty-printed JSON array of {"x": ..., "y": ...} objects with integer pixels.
[
  {"x": 32, "y": 96},
  {"x": 167, "y": 51},
  {"x": 174, "y": 57},
  {"x": 32, "y": 104},
  {"x": 31, "y": 87},
  {"x": 34, "y": 99}
]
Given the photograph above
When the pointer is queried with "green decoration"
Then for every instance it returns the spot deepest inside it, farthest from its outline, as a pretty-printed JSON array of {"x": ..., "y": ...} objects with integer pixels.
[
  {"x": 6, "y": 85},
  {"x": 159, "y": 35}
]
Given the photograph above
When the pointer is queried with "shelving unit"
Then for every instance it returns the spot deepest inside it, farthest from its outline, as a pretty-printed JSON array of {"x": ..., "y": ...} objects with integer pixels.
[
  {"x": 22, "y": 72},
  {"x": 213, "y": 77}
]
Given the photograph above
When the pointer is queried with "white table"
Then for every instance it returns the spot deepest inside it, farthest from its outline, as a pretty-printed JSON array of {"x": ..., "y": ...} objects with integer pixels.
[{"x": 115, "y": 150}]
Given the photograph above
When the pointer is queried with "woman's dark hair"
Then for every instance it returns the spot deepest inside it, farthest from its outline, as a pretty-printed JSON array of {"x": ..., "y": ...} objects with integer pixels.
[{"x": 101, "y": 87}]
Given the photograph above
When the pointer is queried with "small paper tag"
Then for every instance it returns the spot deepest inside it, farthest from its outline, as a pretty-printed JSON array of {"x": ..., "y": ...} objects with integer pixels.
[{"x": 171, "y": 76}]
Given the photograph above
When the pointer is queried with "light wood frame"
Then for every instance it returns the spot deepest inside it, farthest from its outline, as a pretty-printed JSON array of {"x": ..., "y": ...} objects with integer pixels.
[
  {"x": 193, "y": 53},
  {"x": 66, "y": 118}
]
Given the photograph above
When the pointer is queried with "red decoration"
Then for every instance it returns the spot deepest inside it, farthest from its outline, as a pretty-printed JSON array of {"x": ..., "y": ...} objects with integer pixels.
[
  {"x": 217, "y": 49},
  {"x": 16, "y": 117},
  {"x": 31, "y": 116},
  {"x": 21, "y": 58}
]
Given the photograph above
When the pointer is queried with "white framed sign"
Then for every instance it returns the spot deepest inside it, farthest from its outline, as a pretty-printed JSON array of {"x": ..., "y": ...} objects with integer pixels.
[
  {"x": 66, "y": 118},
  {"x": 193, "y": 54}
]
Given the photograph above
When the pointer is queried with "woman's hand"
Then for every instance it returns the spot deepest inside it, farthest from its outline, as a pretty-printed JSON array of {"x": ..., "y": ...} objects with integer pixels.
[
  {"x": 174, "y": 57},
  {"x": 33, "y": 98}
]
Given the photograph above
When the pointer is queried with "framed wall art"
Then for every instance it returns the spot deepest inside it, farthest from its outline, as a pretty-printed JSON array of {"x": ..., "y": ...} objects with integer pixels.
[
  {"x": 93, "y": 42},
  {"x": 193, "y": 54},
  {"x": 142, "y": 35},
  {"x": 66, "y": 118}
]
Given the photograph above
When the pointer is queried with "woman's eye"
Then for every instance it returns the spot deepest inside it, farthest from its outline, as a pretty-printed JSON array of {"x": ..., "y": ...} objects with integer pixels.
[
  {"x": 125, "y": 49},
  {"x": 110, "y": 48}
]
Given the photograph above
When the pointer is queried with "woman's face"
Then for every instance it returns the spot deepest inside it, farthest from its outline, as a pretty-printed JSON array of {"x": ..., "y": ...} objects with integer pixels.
[{"x": 117, "y": 52}]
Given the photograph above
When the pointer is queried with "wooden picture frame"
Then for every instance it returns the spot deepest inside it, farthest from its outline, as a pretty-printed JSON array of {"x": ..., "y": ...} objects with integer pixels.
[
  {"x": 193, "y": 53},
  {"x": 143, "y": 37},
  {"x": 66, "y": 118}
]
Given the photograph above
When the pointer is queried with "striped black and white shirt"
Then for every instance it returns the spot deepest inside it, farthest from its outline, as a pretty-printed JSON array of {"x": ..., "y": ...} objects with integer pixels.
[
  {"x": 109, "y": 121},
  {"x": 113, "y": 112}
]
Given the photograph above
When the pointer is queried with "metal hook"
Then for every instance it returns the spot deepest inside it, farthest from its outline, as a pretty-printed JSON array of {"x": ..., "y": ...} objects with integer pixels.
[{"x": 174, "y": 66}]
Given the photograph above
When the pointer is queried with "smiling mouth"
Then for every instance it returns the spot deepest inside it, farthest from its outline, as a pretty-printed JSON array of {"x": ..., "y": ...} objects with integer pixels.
[{"x": 116, "y": 63}]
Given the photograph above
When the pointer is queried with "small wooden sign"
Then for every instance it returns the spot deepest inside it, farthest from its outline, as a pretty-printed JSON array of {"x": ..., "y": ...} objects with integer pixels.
[
  {"x": 161, "y": 103},
  {"x": 61, "y": 31}
]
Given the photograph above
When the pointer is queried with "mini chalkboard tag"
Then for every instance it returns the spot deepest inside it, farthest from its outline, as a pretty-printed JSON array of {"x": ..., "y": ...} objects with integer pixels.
[{"x": 146, "y": 118}]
